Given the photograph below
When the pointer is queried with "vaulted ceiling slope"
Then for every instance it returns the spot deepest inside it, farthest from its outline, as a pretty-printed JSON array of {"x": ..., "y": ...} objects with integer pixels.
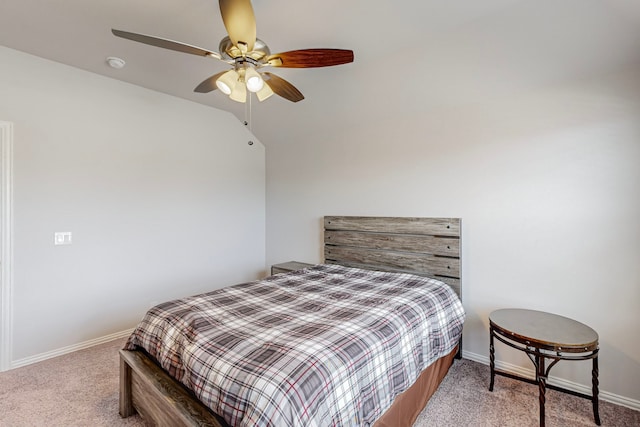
[{"x": 440, "y": 52}]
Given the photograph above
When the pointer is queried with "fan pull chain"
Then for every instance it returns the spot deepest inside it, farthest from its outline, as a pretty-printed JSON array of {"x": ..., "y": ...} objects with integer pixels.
[{"x": 247, "y": 111}]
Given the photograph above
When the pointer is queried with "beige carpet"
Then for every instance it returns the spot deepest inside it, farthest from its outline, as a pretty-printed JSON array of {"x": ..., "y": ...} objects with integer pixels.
[
  {"x": 463, "y": 399},
  {"x": 81, "y": 389}
]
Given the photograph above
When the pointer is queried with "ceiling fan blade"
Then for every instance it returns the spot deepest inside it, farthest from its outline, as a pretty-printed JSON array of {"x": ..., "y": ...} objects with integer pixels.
[
  {"x": 283, "y": 88},
  {"x": 165, "y": 43},
  {"x": 209, "y": 84},
  {"x": 310, "y": 58},
  {"x": 240, "y": 22}
]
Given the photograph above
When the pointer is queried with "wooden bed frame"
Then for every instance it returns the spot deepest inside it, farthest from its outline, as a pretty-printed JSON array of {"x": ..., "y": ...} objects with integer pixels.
[{"x": 424, "y": 246}]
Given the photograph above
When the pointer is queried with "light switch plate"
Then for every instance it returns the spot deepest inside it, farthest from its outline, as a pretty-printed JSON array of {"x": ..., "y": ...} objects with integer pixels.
[{"x": 62, "y": 238}]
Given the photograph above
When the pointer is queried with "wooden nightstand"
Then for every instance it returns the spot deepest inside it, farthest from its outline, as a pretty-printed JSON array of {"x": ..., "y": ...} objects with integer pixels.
[{"x": 289, "y": 266}]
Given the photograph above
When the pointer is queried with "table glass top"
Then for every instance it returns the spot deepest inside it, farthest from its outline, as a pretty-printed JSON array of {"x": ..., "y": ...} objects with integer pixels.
[{"x": 545, "y": 328}]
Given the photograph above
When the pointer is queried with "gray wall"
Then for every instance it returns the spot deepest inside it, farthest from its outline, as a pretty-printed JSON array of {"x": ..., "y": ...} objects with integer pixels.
[{"x": 164, "y": 198}]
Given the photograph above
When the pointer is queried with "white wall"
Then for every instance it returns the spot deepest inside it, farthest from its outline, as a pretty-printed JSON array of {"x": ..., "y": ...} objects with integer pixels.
[
  {"x": 164, "y": 197},
  {"x": 546, "y": 181}
]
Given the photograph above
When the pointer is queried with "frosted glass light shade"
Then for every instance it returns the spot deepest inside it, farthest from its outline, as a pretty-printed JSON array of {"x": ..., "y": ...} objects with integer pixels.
[
  {"x": 264, "y": 93},
  {"x": 227, "y": 82},
  {"x": 253, "y": 80},
  {"x": 239, "y": 93}
]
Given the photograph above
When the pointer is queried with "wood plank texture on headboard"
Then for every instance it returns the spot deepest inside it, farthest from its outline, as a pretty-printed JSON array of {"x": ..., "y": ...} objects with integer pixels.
[{"x": 423, "y": 246}]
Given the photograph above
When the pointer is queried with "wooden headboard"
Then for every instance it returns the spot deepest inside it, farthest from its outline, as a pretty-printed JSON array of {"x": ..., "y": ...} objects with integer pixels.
[{"x": 423, "y": 246}]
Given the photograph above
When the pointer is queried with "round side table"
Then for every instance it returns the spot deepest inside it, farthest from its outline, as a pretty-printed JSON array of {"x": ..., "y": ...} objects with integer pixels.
[{"x": 544, "y": 336}]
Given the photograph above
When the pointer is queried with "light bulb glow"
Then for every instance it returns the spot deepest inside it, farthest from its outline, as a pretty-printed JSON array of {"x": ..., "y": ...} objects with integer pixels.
[
  {"x": 253, "y": 80},
  {"x": 224, "y": 88},
  {"x": 227, "y": 82}
]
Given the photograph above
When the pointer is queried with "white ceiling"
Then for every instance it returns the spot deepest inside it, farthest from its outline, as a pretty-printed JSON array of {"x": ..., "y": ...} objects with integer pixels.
[{"x": 431, "y": 53}]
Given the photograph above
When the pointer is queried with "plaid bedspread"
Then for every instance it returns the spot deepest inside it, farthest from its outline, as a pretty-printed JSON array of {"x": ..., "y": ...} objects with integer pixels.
[{"x": 323, "y": 346}]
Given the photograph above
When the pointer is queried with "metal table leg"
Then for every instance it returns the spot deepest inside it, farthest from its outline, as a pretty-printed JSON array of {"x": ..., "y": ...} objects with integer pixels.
[
  {"x": 594, "y": 399},
  {"x": 542, "y": 383},
  {"x": 492, "y": 359}
]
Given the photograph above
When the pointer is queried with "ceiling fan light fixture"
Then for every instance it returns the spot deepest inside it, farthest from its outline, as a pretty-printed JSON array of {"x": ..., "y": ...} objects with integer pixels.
[
  {"x": 253, "y": 80},
  {"x": 228, "y": 82},
  {"x": 239, "y": 93},
  {"x": 264, "y": 93}
]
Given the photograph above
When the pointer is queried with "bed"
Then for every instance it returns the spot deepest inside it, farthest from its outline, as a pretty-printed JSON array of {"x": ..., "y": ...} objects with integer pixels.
[{"x": 366, "y": 261}]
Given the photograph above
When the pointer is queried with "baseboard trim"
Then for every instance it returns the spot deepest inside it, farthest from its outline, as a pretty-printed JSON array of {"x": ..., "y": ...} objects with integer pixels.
[
  {"x": 560, "y": 382},
  {"x": 69, "y": 349}
]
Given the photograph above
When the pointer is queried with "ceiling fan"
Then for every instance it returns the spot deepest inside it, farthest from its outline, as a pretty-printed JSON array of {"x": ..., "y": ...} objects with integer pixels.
[{"x": 248, "y": 55}]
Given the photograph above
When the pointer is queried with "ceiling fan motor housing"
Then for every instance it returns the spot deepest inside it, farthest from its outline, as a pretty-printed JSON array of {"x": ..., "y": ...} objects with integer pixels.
[{"x": 231, "y": 52}]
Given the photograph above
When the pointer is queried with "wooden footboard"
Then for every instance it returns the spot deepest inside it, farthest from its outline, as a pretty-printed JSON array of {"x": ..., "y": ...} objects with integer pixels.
[{"x": 148, "y": 390}]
